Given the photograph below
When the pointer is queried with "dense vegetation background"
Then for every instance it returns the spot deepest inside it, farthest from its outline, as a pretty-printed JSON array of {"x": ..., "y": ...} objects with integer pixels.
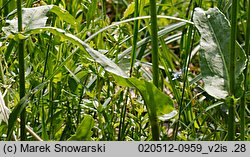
[{"x": 106, "y": 70}]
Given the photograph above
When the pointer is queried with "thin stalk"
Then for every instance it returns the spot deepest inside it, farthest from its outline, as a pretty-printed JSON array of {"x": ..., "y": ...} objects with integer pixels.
[
  {"x": 185, "y": 80},
  {"x": 29, "y": 129},
  {"x": 231, "y": 118},
  {"x": 44, "y": 132},
  {"x": 135, "y": 35},
  {"x": 21, "y": 70},
  {"x": 104, "y": 9},
  {"x": 155, "y": 63},
  {"x": 187, "y": 46},
  {"x": 122, "y": 114},
  {"x": 154, "y": 37},
  {"x": 243, "y": 99}
]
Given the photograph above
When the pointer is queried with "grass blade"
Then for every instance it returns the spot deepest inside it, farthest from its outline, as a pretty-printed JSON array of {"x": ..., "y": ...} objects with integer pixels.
[{"x": 135, "y": 35}]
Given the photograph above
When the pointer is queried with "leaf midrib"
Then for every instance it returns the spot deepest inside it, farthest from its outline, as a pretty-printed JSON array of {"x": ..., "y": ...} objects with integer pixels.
[{"x": 220, "y": 50}]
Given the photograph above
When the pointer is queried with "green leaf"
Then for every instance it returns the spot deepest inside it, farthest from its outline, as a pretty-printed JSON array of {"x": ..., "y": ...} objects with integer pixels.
[
  {"x": 131, "y": 8},
  {"x": 156, "y": 101},
  {"x": 64, "y": 15},
  {"x": 84, "y": 130},
  {"x": 19, "y": 108},
  {"x": 214, "y": 53},
  {"x": 105, "y": 62},
  {"x": 32, "y": 18},
  {"x": 91, "y": 11},
  {"x": 37, "y": 17},
  {"x": 72, "y": 84}
]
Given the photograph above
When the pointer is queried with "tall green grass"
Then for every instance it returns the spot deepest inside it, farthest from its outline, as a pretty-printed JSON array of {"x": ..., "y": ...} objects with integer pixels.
[{"x": 62, "y": 86}]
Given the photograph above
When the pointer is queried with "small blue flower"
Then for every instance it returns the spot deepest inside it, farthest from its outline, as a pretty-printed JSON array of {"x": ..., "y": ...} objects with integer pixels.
[{"x": 177, "y": 75}]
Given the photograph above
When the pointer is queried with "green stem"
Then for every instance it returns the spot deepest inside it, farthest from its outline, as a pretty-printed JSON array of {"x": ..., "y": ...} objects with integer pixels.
[
  {"x": 104, "y": 9},
  {"x": 154, "y": 126},
  {"x": 21, "y": 70},
  {"x": 135, "y": 35},
  {"x": 231, "y": 118},
  {"x": 154, "y": 38},
  {"x": 155, "y": 62},
  {"x": 187, "y": 47},
  {"x": 243, "y": 99}
]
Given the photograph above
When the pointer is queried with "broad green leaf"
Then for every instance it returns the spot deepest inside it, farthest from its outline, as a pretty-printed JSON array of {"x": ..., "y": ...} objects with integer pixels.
[
  {"x": 32, "y": 18},
  {"x": 37, "y": 17},
  {"x": 84, "y": 130},
  {"x": 214, "y": 53},
  {"x": 155, "y": 100}
]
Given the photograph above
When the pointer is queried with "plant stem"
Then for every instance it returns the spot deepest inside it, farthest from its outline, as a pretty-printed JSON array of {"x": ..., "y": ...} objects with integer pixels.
[
  {"x": 21, "y": 70},
  {"x": 104, "y": 9},
  {"x": 231, "y": 118},
  {"x": 243, "y": 98},
  {"x": 155, "y": 62},
  {"x": 154, "y": 38},
  {"x": 135, "y": 35}
]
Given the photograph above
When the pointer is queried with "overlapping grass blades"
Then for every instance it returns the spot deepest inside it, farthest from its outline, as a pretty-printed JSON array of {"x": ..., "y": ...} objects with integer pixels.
[{"x": 158, "y": 104}]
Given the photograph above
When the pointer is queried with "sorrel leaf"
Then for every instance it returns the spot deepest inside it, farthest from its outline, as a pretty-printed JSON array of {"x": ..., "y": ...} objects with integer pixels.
[
  {"x": 37, "y": 17},
  {"x": 32, "y": 18},
  {"x": 214, "y": 53},
  {"x": 155, "y": 100}
]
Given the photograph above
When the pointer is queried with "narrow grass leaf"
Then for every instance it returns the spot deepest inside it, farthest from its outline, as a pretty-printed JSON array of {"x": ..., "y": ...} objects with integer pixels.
[
  {"x": 105, "y": 62},
  {"x": 19, "y": 108},
  {"x": 161, "y": 33},
  {"x": 91, "y": 11}
]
